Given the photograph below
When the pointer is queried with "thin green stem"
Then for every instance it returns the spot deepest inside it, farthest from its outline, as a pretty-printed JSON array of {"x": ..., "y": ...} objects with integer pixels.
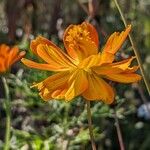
[
  {"x": 8, "y": 114},
  {"x": 136, "y": 51},
  {"x": 90, "y": 125}
]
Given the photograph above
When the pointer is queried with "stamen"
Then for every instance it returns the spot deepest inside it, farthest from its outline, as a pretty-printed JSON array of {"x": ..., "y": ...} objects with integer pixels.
[{"x": 76, "y": 34}]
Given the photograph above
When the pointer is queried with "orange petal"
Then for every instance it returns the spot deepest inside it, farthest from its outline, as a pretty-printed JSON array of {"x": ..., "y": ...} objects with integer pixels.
[
  {"x": 98, "y": 89},
  {"x": 93, "y": 33},
  {"x": 8, "y": 56},
  {"x": 56, "y": 59},
  {"x": 63, "y": 86},
  {"x": 12, "y": 55},
  {"x": 77, "y": 84},
  {"x": 2, "y": 64},
  {"x": 124, "y": 77},
  {"x": 4, "y": 50},
  {"x": 48, "y": 67},
  {"x": 15, "y": 55},
  {"x": 119, "y": 71},
  {"x": 19, "y": 56},
  {"x": 90, "y": 61},
  {"x": 116, "y": 40},
  {"x": 125, "y": 65},
  {"x": 40, "y": 40},
  {"x": 107, "y": 57},
  {"x": 132, "y": 69},
  {"x": 53, "y": 56},
  {"x": 81, "y": 41},
  {"x": 54, "y": 83},
  {"x": 4, "y": 53},
  {"x": 115, "y": 68}
]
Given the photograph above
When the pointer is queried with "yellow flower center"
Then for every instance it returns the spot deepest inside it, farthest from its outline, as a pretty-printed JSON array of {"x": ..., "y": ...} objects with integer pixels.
[{"x": 76, "y": 34}]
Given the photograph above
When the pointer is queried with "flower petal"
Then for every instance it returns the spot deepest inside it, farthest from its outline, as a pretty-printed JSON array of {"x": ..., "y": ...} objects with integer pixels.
[
  {"x": 63, "y": 85},
  {"x": 12, "y": 55},
  {"x": 98, "y": 89},
  {"x": 107, "y": 57},
  {"x": 124, "y": 77},
  {"x": 90, "y": 61},
  {"x": 81, "y": 41},
  {"x": 2, "y": 64},
  {"x": 8, "y": 56},
  {"x": 48, "y": 67},
  {"x": 54, "y": 83},
  {"x": 4, "y": 50},
  {"x": 54, "y": 56},
  {"x": 15, "y": 55},
  {"x": 40, "y": 40},
  {"x": 115, "y": 68},
  {"x": 77, "y": 84},
  {"x": 93, "y": 33},
  {"x": 56, "y": 59},
  {"x": 116, "y": 40},
  {"x": 4, "y": 53},
  {"x": 119, "y": 71}
]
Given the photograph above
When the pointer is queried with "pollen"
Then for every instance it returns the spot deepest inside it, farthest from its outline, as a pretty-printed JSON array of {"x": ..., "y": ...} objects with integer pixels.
[{"x": 77, "y": 34}]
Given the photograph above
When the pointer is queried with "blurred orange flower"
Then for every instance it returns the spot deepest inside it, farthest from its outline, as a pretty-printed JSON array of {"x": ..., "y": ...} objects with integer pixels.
[
  {"x": 9, "y": 56},
  {"x": 81, "y": 71}
]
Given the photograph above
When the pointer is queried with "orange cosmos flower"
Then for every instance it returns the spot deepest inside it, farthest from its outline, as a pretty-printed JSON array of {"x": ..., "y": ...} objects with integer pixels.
[
  {"x": 83, "y": 69},
  {"x": 9, "y": 56}
]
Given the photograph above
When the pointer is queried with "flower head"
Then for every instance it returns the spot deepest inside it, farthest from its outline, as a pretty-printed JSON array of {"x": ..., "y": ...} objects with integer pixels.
[
  {"x": 8, "y": 56},
  {"x": 83, "y": 70}
]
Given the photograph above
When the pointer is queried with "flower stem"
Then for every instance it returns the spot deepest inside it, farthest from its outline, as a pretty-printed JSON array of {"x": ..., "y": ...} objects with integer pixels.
[
  {"x": 136, "y": 51},
  {"x": 90, "y": 125},
  {"x": 119, "y": 134},
  {"x": 8, "y": 114}
]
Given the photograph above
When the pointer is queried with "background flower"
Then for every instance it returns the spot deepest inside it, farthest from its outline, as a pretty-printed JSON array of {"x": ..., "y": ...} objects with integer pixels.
[{"x": 8, "y": 56}]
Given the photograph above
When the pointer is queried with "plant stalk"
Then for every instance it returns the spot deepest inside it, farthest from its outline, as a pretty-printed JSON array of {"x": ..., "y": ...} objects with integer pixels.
[
  {"x": 136, "y": 51},
  {"x": 90, "y": 125},
  {"x": 119, "y": 134},
  {"x": 8, "y": 114}
]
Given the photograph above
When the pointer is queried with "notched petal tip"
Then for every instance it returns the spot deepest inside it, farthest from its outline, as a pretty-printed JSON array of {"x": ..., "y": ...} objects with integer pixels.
[{"x": 116, "y": 40}]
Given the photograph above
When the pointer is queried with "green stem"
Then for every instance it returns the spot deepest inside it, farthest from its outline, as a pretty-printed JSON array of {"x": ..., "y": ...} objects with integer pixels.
[
  {"x": 8, "y": 114},
  {"x": 136, "y": 51},
  {"x": 90, "y": 125}
]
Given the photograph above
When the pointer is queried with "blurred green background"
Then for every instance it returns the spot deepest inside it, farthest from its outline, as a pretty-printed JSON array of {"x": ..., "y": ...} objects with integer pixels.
[{"x": 55, "y": 125}]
